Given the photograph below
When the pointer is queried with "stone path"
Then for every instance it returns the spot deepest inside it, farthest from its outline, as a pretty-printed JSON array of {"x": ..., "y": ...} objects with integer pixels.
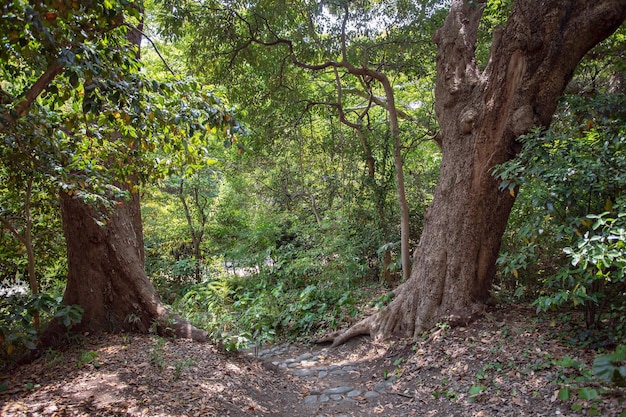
[{"x": 335, "y": 384}]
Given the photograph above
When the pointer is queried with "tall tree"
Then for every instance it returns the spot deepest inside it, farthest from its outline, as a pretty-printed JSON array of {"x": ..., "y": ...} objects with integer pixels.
[
  {"x": 481, "y": 112},
  {"x": 73, "y": 83}
]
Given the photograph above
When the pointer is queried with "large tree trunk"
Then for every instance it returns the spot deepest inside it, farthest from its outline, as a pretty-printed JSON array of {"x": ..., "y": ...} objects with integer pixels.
[
  {"x": 106, "y": 274},
  {"x": 106, "y": 271},
  {"x": 481, "y": 112}
]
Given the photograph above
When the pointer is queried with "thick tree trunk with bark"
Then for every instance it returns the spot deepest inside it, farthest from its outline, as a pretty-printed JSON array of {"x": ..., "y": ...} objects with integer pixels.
[
  {"x": 106, "y": 271},
  {"x": 106, "y": 274},
  {"x": 481, "y": 113}
]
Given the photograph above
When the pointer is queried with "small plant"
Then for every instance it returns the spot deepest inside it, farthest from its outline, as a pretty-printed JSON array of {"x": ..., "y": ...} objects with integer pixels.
[
  {"x": 180, "y": 366},
  {"x": 154, "y": 327},
  {"x": 156, "y": 354},
  {"x": 383, "y": 300},
  {"x": 234, "y": 343},
  {"x": 133, "y": 318},
  {"x": 69, "y": 315},
  {"x": 53, "y": 358},
  {"x": 18, "y": 328},
  {"x": 442, "y": 330},
  {"x": 611, "y": 368},
  {"x": 87, "y": 357},
  {"x": 476, "y": 390},
  {"x": 31, "y": 386},
  {"x": 582, "y": 386}
]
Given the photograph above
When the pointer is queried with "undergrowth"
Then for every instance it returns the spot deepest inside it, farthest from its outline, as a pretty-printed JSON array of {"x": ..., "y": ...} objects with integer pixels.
[{"x": 263, "y": 307}]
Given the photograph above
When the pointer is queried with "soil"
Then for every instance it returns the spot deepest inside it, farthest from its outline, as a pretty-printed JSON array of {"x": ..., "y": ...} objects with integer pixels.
[{"x": 509, "y": 363}]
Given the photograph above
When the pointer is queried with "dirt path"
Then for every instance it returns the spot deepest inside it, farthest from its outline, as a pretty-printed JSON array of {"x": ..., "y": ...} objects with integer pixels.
[{"x": 505, "y": 364}]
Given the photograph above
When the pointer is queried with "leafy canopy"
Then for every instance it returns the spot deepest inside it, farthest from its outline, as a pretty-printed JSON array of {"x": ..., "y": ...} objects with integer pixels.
[{"x": 77, "y": 109}]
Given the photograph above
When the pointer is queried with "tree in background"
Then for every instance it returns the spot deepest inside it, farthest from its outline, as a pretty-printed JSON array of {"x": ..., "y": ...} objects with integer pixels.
[
  {"x": 309, "y": 55},
  {"x": 196, "y": 195}
]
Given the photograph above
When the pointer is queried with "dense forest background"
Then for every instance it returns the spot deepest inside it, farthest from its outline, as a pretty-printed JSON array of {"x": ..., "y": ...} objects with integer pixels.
[{"x": 269, "y": 187}]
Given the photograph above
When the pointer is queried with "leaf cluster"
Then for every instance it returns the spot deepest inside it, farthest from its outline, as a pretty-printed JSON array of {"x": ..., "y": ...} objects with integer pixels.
[
  {"x": 100, "y": 120},
  {"x": 573, "y": 195},
  {"x": 17, "y": 311}
]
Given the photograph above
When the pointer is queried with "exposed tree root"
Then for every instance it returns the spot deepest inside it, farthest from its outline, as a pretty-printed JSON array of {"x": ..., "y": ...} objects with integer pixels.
[
  {"x": 363, "y": 327},
  {"x": 181, "y": 328},
  {"x": 382, "y": 325},
  {"x": 397, "y": 320}
]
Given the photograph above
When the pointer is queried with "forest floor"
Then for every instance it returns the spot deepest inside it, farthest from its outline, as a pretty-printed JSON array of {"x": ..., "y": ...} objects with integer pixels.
[{"x": 508, "y": 363}]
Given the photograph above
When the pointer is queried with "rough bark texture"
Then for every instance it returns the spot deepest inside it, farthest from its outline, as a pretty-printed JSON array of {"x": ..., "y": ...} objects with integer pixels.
[
  {"x": 481, "y": 112},
  {"x": 106, "y": 274}
]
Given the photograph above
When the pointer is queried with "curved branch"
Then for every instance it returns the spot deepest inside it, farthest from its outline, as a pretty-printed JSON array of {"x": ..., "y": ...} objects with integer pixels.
[
  {"x": 142, "y": 33},
  {"x": 381, "y": 103},
  {"x": 31, "y": 95}
]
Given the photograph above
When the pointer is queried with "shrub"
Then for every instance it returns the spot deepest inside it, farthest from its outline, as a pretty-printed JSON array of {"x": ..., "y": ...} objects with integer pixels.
[
  {"x": 565, "y": 240},
  {"x": 17, "y": 313}
]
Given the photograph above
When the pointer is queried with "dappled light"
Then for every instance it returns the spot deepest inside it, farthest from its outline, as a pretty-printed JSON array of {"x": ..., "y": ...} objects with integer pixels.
[{"x": 339, "y": 208}]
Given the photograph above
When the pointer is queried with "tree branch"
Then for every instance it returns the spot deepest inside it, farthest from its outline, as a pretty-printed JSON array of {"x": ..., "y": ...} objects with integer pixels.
[
  {"x": 380, "y": 102},
  {"x": 7, "y": 224},
  {"x": 153, "y": 46},
  {"x": 31, "y": 95}
]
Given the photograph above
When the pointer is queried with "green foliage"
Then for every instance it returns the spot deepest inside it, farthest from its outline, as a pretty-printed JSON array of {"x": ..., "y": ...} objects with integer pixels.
[
  {"x": 156, "y": 354},
  {"x": 180, "y": 366},
  {"x": 43, "y": 222},
  {"x": 476, "y": 390},
  {"x": 87, "y": 357},
  {"x": 17, "y": 313},
  {"x": 598, "y": 261},
  {"x": 73, "y": 39},
  {"x": 98, "y": 118},
  {"x": 285, "y": 286},
  {"x": 567, "y": 230},
  {"x": 259, "y": 308},
  {"x": 584, "y": 387},
  {"x": 495, "y": 15},
  {"x": 611, "y": 368}
]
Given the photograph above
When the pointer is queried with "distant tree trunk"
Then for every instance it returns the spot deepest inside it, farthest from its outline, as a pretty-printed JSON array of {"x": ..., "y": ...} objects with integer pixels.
[
  {"x": 30, "y": 250},
  {"x": 197, "y": 234},
  {"x": 26, "y": 239},
  {"x": 405, "y": 225},
  {"x": 481, "y": 113}
]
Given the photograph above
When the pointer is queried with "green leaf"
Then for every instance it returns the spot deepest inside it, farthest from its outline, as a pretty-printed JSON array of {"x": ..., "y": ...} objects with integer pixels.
[
  {"x": 603, "y": 368},
  {"x": 587, "y": 393},
  {"x": 564, "y": 394},
  {"x": 476, "y": 389},
  {"x": 29, "y": 344}
]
